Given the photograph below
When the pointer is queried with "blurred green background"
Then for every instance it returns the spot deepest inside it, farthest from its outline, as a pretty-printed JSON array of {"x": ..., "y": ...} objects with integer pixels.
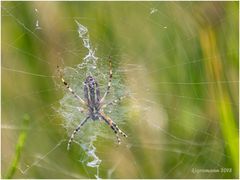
[{"x": 179, "y": 60}]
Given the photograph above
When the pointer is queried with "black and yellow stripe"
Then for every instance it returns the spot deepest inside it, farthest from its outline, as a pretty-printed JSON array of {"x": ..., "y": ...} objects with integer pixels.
[
  {"x": 70, "y": 89},
  {"x": 75, "y": 131},
  {"x": 113, "y": 126}
]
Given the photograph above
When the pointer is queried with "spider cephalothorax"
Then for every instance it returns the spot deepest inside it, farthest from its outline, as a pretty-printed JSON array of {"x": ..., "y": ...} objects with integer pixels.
[{"x": 93, "y": 104}]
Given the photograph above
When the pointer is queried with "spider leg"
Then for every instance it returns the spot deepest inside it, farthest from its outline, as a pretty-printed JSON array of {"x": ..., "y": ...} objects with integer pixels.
[
  {"x": 109, "y": 81},
  {"x": 115, "y": 131},
  {"x": 119, "y": 130},
  {"x": 75, "y": 131},
  {"x": 70, "y": 89},
  {"x": 113, "y": 126}
]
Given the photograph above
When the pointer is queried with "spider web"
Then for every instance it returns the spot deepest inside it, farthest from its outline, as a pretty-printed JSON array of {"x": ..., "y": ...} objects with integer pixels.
[{"x": 172, "y": 86}]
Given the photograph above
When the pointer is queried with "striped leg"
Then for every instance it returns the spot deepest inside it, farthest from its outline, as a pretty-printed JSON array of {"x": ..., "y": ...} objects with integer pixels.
[
  {"x": 70, "y": 89},
  {"x": 75, "y": 131},
  {"x": 109, "y": 81},
  {"x": 113, "y": 126},
  {"x": 119, "y": 130},
  {"x": 115, "y": 131}
]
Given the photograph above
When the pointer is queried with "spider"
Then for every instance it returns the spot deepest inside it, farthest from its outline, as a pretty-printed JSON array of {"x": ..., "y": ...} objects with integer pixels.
[{"x": 94, "y": 104}]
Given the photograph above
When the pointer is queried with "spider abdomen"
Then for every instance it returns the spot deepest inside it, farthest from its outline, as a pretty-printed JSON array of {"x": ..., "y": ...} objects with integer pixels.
[{"x": 91, "y": 91}]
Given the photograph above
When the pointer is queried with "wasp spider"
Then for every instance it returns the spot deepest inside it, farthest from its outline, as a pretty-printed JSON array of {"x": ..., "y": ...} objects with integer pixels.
[{"x": 93, "y": 103}]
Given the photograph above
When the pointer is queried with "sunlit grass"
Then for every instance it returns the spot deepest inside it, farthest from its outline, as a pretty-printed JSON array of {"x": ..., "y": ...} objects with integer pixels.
[{"x": 19, "y": 148}]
